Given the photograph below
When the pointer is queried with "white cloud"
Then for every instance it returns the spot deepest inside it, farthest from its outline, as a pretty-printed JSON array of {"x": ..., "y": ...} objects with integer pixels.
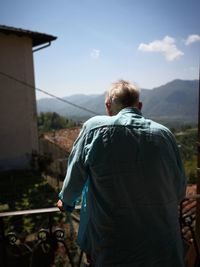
[
  {"x": 165, "y": 46},
  {"x": 95, "y": 54},
  {"x": 192, "y": 39}
]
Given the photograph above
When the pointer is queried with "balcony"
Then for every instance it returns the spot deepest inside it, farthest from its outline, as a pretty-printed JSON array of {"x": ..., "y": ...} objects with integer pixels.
[
  {"x": 53, "y": 243},
  {"x": 35, "y": 233},
  {"x": 50, "y": 245}
]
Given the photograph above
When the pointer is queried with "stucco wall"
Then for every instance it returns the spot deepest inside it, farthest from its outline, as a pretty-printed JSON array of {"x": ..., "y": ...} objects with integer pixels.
[{"x": 18, "y": 117}]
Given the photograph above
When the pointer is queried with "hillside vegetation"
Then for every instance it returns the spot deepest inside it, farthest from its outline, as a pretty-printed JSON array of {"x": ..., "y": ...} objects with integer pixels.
[
  {"x": 187, "y": 142},
  {"x": 50, "y": 121}
]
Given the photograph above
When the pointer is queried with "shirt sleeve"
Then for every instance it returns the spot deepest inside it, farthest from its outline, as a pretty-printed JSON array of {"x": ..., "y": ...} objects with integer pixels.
[
  {"x": 76, "y": 174},
  {"x": 181, "y": 181}
]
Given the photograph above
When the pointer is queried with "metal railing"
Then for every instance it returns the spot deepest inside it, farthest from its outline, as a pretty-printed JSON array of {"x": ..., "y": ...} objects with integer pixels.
[
  {"x": 41, "y": 251},
  {"x": 42, "y": 246}
]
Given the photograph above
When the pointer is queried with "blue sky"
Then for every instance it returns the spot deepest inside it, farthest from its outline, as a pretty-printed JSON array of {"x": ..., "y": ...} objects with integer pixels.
[{"x": 149, "y": 42}]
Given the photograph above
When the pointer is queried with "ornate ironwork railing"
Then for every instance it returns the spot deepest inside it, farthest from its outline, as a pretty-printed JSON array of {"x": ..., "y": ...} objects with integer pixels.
[{"x": 41, "y": 248}]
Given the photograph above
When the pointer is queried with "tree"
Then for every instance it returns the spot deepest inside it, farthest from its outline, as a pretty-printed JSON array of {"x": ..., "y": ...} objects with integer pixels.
[
  {"x": 187, "y": 140},
  {"x": 50, "y": 121}
]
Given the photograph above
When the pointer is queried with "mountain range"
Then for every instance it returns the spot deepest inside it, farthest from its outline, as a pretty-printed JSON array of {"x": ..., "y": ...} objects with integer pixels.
[{"x": 171, "y": 103}]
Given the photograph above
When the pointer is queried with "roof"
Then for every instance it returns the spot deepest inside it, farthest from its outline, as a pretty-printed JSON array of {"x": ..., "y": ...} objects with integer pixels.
[
  {"x": 188, "y": 212},
  {"x": 63, "y": 138},
  {"x": 37, "y": 38}
]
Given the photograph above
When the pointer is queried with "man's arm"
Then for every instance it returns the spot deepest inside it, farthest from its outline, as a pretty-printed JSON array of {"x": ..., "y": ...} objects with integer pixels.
[{"x": 76, "y": 176}]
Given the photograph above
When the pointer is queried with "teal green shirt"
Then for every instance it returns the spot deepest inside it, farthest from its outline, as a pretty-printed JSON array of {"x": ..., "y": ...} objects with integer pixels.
[{"x": 133, "y": 181}]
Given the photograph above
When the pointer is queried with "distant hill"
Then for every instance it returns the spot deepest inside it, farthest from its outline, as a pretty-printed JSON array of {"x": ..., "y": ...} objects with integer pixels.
[
  {"x": 92, "y": 102},
  {"x": 176, "y": 101}
]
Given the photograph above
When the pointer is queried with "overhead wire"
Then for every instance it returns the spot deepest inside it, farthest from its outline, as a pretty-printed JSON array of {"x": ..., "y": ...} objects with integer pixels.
[{"x": 49, "y": 94}]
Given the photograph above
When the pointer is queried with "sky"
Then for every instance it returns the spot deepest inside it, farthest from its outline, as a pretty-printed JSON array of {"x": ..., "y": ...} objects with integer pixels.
[{"x": 147, "y": 42}]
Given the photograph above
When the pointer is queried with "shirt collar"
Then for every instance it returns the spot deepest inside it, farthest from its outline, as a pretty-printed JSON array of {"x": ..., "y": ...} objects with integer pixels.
[{"x": 130, "y": 109}]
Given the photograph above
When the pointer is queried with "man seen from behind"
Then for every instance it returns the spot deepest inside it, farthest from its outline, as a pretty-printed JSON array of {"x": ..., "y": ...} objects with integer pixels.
[{"x": 133, "y": 181}]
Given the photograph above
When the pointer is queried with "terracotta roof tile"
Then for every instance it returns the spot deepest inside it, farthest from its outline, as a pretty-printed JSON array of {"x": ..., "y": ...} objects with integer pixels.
[{"x": 63, "y": 138}]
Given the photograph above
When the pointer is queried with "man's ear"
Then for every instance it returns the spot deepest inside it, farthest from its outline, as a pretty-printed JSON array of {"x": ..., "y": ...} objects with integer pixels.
[{"x": 108, "y": 108}]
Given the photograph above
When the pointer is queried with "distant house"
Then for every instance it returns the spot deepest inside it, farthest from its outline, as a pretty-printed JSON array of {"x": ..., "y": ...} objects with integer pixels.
[
  {"x": 58, "y": 145},
  {"x": 18, "y": 117}
]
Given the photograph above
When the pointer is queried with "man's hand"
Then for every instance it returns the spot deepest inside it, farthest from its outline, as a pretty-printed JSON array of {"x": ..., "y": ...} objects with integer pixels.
[
  {"x": 63, "y": 207},
  {"x": 60, "y": 205}
]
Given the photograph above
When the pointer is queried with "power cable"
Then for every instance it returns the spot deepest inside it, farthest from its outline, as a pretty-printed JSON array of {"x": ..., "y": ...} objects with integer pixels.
[{"x": 47, "y": 93}]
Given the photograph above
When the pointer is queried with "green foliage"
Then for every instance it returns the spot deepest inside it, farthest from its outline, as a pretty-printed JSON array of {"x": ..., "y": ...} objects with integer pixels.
[
  {"x": 187, "y": 142},
  {"x": 41, "y": 162},
  {"x": 52, "y": 121},
  {"x": 25, "y": 190}
]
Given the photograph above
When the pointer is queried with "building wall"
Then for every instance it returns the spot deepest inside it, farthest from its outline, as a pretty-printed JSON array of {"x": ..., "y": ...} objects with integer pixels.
[{"x": 18, "y": 117}]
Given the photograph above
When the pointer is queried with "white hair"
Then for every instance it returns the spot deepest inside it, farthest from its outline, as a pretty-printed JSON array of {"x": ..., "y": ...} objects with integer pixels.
[{"x": 122, "y": 94}]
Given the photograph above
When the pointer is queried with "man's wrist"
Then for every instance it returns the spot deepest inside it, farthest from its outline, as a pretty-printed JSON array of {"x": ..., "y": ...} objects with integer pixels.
[
  {"x": 68, "y": 208},
  {"x": 65, "y": 206}
]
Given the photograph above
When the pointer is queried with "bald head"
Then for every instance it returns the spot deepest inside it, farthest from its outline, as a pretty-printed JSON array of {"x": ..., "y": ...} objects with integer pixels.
[{"x": 122, "y": 94}]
